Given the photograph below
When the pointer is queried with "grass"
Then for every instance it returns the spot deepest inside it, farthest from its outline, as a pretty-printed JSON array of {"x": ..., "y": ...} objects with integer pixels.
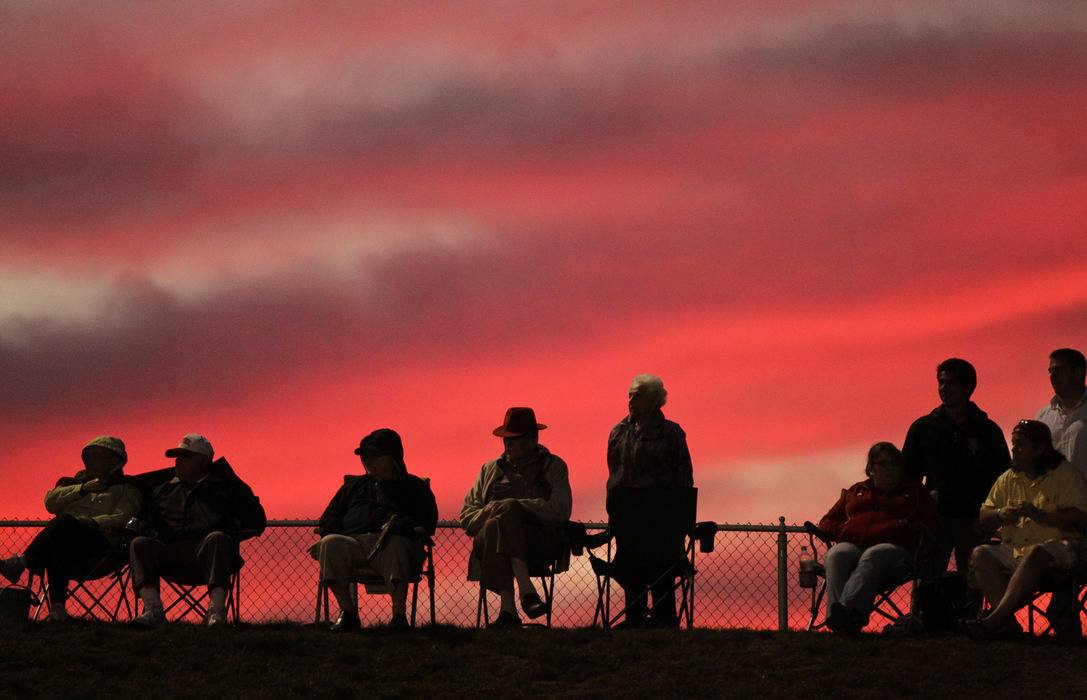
[{"x": 291, "y": 661}]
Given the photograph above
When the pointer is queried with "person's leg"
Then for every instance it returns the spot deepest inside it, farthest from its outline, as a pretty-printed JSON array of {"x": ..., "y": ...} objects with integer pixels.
[
  {"x": 145, "y": 564},
  {"x": 875, "y": 568},
  {"x": 839, "y": 562},
  {"x": 72, "y": 542},
  {"x": 664, "y": 603},
  {"x": 400, "y": 562},
  {"x": 989, "y": 571},
  {"x": 217, "y": 555},
  {"x": 338, "y": 556},
  {"x": 1023, "y": 583}
]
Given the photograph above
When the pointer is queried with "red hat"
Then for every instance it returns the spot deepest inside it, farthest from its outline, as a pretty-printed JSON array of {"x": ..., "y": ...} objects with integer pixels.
[{"x": 519, "y": 421}]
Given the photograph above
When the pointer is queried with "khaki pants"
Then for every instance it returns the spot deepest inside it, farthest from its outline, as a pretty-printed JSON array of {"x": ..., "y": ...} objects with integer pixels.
[
  {"x": 341, "y": 555},
  {"x": 211, "y": 560},
  {"x": 511, "y": 532}
]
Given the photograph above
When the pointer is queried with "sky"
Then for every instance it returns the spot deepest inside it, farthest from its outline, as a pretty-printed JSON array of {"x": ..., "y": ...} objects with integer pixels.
[{"x": 286, "y": 224}]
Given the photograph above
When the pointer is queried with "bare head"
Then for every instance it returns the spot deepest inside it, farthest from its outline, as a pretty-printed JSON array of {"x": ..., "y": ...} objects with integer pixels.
[{"x": 646, "y": 395}]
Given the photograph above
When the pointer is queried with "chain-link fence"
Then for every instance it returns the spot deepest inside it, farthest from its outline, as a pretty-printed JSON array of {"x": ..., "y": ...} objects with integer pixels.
[{"x": 750, "y": 579}]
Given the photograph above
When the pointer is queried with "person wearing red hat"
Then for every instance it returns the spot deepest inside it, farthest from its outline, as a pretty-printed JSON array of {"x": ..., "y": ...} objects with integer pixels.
[
  {"x": 514, "y": 512},
  {"x": 1040, "y": 506}
]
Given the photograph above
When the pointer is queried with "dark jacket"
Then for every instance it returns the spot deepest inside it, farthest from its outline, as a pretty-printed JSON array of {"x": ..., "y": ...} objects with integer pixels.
[
  {"x": 866, "y": 516},
  {"x": 364, "y": 504},
  {"x": 221, "y": 502},
  {"x": 959, "y": 462},
  {"x": 654, "y": 457}
]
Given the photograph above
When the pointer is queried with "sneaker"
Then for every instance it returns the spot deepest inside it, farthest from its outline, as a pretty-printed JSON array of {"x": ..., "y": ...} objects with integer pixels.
[
  {"x": 57, "y": 614},
  {"x": 149, "y": 619},
  {"x": 505, "y": 620},
  {"x": 347, "y": 621},
  {"x": 533, "y": 606},
  {"x": 399, "y": 622},
  {"x": 12, "y": 568},
  {"x": 216, "y": 618}
]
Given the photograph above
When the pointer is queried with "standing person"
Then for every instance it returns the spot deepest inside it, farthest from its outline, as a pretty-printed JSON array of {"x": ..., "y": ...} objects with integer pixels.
[
  {"x": 1066, "y": 412},
  {"x": 876, "y": 524},
  {"x": 90, "y": 511},
  {"x": 1040, "y": 506},
  {"x": 196, "y": 521},
  {"x": 958, "y": 452},
  {"x": 514, "y": 512},
  {"x": 647, "y": 452},
  {"x": 371, "y": 522}
]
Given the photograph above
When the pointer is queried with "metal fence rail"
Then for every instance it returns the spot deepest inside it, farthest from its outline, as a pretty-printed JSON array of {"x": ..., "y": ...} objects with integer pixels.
[{"x": 749, "y": 580}]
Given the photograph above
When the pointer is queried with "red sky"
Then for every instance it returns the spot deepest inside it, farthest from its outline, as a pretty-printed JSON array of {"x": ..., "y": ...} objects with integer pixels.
[{"x": 285, "y": 224}]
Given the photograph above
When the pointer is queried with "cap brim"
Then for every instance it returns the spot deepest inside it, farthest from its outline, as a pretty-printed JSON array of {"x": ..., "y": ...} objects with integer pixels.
[
  {"x": 501, "y": 431},
  {"x": 175, "y": 451}
]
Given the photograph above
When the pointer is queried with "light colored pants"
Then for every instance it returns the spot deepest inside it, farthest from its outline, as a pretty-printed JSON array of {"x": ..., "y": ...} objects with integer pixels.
[
  {"x": 211, "y": 560},
  {"x": 341, "y": 555},
  {"x": 855, "y": 575}
]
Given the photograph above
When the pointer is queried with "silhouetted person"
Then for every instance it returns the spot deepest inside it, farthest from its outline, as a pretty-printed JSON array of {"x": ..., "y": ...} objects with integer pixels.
[
  {"x": 91, "y": 511},
  {"x": 514, "y": 512},
  {"x": 877, "y": 524},
  {"x": 647, "y": 452},
  {"x": 958, "y": 452},
  {"x": 375, "y": 522},
  {"x": 1066, "y": 413},
  {"x": 1039, "y": 505},
  {"x": 195, "y": 522}
]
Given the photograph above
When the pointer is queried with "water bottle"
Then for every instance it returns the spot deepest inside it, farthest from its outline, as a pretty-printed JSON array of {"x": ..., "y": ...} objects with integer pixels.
[{"x": 808, "y": 577}]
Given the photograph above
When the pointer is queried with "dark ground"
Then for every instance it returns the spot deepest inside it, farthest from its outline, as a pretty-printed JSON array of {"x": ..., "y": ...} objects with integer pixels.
[{"x": 286, "y": 661}]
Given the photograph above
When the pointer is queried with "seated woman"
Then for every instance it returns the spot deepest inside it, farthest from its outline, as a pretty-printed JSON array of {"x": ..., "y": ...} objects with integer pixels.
[
  {"x": 877, "y": 526},
  {"x": 91, "y": 511},
  {"x": 514, "y": 511}
]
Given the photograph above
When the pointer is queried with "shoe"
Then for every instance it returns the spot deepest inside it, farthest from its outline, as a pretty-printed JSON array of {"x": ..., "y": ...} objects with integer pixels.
[
  {"x": 533, "y": 606},
  {"x": 979, "y": 632},
  {"x": 216, "y": 618},
  {"x": 399, "y": 622},
  {"x": 347, "y": 621},
  {"x": 632, "y": 623},
  {"x": 58, "y": 614},
  {"x": 12, "y": 568},
  {"x": 149, "y": 619},
  {"x": 844, "y": 620},
  {"x": 663, "y": 622},
  {"x": 505, "y": 620}
]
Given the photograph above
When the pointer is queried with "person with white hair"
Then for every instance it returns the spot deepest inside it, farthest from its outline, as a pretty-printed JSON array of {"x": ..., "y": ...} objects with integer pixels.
[{"x": 645, "y": 452}]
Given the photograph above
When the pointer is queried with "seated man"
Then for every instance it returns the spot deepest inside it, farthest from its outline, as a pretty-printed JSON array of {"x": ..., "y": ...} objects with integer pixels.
[
  {"x": 371, "y": 522},
  {"x": 647, "y": 454},
  {"x": 91, "y": 511},
  {"x": 514, "y": 512},
  {"x": 1037, "y": 504},
  {"x": 194, "y": 524}
]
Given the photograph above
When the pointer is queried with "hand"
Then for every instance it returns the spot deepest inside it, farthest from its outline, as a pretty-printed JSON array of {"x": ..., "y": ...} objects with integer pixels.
[
  {"x": 1010, "y": 512},
  {"x": 95, "y": 486}
]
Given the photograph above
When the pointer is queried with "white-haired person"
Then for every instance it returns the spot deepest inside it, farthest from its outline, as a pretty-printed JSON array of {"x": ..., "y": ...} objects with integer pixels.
[
  {"x": 647, "y": 453},
  {"x": 1040, "y": 507},
  {"x": 515, "y": 512},
  {"x": 90, "y": 509}
]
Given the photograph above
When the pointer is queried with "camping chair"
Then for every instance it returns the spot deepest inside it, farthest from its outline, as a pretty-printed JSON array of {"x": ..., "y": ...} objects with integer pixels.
[
  {"x": 653, "y": 540},
  {"x": 541, "y": 568},
  {"x": 884, "y": 605},
  {"x": 374, "y": 584},
  {"x": 1073, "y": 580},
  {"x": 191, "y": 597},
  {"x": 91, "y": 599}
]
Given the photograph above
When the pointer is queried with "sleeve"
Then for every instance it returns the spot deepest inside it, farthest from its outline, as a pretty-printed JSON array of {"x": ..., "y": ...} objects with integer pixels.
[
  {"x": 684, "y": 469},
  {"x": 998, "y": 494},
  {"x": 913, "y": 466},
  {"x": 331, "y": 522},
  {"x": 927, "y": 513},
  {"x": 832, "y": 522},
  {"x": 59, "y": 498},
  {"x": 470, "y": 515},
  {"x": 556, "y": 509},
  {"x": 126, "y": 506},
  {"x": 427, "y": 517},
  {"x": 251, "y": 517},
  {"x": 1074, "y": 491},
  {"x": 997, "y": 458}
]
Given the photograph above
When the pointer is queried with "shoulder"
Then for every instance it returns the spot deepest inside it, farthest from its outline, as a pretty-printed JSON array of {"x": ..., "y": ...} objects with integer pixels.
[{"x": 621, "y": 427}]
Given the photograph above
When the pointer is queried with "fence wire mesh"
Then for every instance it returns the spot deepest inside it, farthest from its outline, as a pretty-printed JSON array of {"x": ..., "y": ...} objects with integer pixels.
[{"x": 737, "y": 584}]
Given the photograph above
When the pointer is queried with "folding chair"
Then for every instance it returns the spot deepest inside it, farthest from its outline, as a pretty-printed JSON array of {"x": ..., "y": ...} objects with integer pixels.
[
  {"x": 1073, "y": 580},
  {"x": 650, "y": 543},
  {"x": 542, "y": 569},
  {"x": 191, "y": 596},
  {"x": 84, "y": 593},
  {"x": 374, "y": 584},
  {"x": 884, "y": 605}
]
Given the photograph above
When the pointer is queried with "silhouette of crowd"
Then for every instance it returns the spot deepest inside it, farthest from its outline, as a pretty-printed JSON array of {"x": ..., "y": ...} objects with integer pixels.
[{"x": 1010, "y": 521}]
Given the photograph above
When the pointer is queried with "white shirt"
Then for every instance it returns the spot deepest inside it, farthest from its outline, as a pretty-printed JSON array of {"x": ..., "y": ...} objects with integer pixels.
[{"x": 1069, "y": 430}]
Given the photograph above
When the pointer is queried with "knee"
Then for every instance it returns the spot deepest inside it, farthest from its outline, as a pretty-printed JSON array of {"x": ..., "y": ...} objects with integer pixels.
[
  {"x": 981, "y": 558},
  {"x": 141, "y": 544},
  {"x": 219, "y": 538},
  {"x": 1038, "y": 555}
]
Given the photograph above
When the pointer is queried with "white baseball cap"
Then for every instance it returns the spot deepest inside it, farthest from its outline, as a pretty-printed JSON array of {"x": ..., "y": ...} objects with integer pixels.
[{"x": 193, "y": 442}]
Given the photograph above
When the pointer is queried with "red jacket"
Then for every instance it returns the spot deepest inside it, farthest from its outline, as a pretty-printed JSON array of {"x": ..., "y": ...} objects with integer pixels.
[{"x": 866, "y": 516}]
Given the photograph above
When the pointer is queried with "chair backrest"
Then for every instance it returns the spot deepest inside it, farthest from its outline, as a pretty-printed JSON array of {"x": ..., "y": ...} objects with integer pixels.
[{"x": 649, "y": 523}]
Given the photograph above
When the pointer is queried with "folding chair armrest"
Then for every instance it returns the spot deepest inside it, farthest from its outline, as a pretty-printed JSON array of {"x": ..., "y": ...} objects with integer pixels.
[{"x": 813, "y": 530}]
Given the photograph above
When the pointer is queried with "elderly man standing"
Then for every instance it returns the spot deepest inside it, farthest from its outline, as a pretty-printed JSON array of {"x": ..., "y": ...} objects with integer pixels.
[
  {"x": 195, "y": 522},
  {"x": 1039, "y": 505},
  {"x": 374, "y": 521},
  {"x": 647, "y": 451},
  {"x": 514, "y": 512}
]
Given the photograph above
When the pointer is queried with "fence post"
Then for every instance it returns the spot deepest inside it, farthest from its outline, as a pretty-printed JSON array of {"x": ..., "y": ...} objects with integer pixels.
[{"x": 783, "y": 566}]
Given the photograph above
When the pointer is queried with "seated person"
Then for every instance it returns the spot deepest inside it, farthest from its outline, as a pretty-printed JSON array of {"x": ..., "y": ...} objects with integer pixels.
[
  {"x": 877, "y": 525},
  {"x": 1038, "y": 505},
  {"x": 647, "y": 453},
  {"x": 91, "y": 512},
  {"x": 514, "y": 512},
  {"x": 371, "y": 523},
  {"x": 194, "y": 523}
]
